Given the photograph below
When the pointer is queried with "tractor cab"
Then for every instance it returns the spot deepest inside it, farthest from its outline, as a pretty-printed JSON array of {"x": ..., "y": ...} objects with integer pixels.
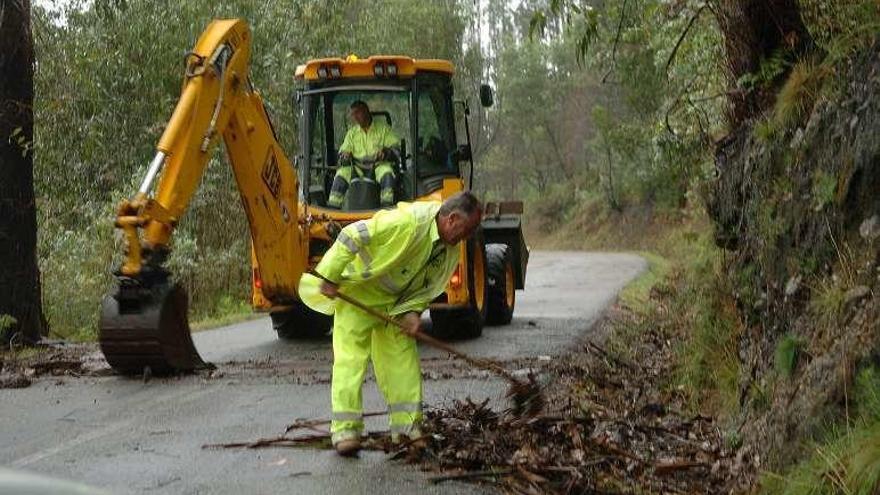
[{"x": 410, "y": 103}]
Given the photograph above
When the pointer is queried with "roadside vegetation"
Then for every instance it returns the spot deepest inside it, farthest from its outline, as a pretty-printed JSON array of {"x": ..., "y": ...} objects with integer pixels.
[
  {"x": 750, "y": 300},
  {"x": 845, "y": 457}
]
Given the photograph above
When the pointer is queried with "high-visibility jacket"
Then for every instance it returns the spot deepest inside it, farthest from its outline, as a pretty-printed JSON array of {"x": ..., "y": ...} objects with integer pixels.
[
  {"x": 365, "y": 144},
  {"x": 394, "y": 261}
]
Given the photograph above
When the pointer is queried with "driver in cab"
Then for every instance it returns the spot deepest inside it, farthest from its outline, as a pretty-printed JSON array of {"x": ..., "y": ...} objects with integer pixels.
[{"x": 365, "y": 152}]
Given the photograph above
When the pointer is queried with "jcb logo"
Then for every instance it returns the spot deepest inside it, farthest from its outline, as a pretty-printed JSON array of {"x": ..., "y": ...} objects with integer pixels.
[{"x": 271, "y": 175}]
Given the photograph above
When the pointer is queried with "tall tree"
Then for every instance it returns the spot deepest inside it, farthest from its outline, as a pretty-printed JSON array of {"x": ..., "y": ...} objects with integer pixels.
[{"x": 20, "y": 301}]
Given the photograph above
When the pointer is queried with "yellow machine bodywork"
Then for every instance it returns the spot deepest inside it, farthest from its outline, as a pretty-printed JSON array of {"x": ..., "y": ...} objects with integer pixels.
[
  {"x": 217, "y": 103},
  {"x": 144, "y": 319}
]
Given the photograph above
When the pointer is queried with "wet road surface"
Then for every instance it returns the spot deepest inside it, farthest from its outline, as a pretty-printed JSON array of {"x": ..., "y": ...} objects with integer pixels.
[{"x": 131, "y": 436}]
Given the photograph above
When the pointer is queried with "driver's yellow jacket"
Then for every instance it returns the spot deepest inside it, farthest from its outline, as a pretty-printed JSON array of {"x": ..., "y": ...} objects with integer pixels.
[
  {"x": 365, "y": 144},
  {"x": 394, "y": 261}
]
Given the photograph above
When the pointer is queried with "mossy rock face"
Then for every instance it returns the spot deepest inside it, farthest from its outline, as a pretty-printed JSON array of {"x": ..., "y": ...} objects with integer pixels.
[{"x": 788, "y": 204}]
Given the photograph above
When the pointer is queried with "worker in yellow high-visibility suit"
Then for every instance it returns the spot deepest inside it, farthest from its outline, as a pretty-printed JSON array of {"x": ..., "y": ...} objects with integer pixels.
[
  {"x": 396, "y": 262},
  {"x": 371, "y": 140}
]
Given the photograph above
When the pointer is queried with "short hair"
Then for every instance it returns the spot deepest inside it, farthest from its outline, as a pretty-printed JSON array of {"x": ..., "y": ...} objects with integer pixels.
[
  {"x": 463, "y": 202},
  {"x": 359, "y": 103}
]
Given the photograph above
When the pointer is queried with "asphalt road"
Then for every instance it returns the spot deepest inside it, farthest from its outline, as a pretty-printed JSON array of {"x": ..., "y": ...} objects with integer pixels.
[{"x": 131, "y": 436}]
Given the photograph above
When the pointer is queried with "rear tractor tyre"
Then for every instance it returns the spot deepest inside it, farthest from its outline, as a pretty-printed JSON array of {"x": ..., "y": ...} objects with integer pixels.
[
  {"x": 467, "y": 322},
  {"x": 299, "y": 322},
  {"x": 502, "y": 284}
]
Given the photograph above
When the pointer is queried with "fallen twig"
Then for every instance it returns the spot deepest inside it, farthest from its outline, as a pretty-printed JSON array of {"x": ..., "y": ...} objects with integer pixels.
[
  {"x": 669, "y": 467},
  {"x": 311, "y": 423},
  {"x": 282, "y": 441},
  {"x": 490, "y": 473}
]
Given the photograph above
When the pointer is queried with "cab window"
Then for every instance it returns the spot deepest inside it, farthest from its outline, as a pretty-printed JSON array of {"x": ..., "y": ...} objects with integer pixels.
[{"x": 435, "y": 143}]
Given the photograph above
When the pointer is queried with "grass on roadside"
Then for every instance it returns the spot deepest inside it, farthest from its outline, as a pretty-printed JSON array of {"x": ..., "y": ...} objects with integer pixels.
[
  {"x": 847, "y": 460},
  {"x": 228, "y": 311},
  {"x": 681, "y": 294},
  {"x": 637, "y": 294}
]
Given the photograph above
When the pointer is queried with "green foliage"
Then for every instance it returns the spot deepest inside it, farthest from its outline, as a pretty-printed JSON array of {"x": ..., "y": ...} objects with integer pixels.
[
  {"x": 553, "y": 208},
  {"x": 769, "y": 70},
  {"x": 6, "y": 322},
  {"x": 759, "y": 397},
  {"x": 707, "y": 360},
  {"x": 77, "y": 274},
  {"x": 709, "y": 365},
  {"x": 682, "y": 296},
  {"x": 770, "y": 222},
  {"x": 826, "y": 303},
  {"x": 824, "y": 188},
  {"x": 786, "y": 357},
  {"x": 637, "y": 294},
  {"x": 765, "y": 130},
  {"x": 866, "y": 393},
  {"x": 842, "y": 25},
  {"x": 650, "y": 128},
  {"x": 848, "y": 460},
  {"x": 229, "y": 310},
  {"x": 732, "y": 440}
]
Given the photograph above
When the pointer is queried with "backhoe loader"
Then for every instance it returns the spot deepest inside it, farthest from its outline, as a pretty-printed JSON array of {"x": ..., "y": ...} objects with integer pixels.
[{"x": 144, "y": 317}]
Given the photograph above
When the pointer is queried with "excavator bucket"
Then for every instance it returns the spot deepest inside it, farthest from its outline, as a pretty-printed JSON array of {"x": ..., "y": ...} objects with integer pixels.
[{"x": 148, "y": 328}]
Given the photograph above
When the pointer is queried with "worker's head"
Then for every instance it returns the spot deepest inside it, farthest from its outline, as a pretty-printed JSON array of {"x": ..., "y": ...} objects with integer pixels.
[
  {"x": 459, "y": 217},
  {"x": 360, "y": 113}
]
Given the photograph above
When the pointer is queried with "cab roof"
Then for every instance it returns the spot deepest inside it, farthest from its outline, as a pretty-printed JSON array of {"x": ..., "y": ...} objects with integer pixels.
[{"x": 372, "y": 67}]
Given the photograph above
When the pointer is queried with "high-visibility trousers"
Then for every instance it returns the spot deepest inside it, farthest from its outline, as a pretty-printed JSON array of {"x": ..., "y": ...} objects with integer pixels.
[
  {"x": 384, "y": 175},
  {"x": 358, "y": 337}
]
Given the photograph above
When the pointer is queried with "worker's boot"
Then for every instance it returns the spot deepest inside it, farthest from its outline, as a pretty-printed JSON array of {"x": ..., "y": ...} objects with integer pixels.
[{"x": 348, "y": 447}]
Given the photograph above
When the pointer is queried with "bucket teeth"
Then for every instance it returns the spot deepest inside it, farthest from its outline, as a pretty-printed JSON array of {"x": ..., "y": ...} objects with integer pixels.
[{"x": 142, "y": 329}]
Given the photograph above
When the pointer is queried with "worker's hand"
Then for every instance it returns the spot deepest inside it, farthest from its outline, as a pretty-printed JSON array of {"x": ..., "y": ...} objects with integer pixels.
[
  {"x": 344, "y": 158},
  {"x": 380, "y": 155},
  {"x": 329, "y": 290},
  {"x": 412, "y": 323}
]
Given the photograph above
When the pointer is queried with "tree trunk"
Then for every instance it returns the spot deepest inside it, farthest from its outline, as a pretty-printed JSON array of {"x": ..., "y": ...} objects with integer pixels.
[
  {"x": 19, "y": 274},
  {"x": 755, "y": 30}
]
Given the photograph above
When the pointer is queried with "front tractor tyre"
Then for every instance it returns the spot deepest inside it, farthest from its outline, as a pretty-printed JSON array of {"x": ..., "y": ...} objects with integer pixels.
[{"x": 502, "y": 284}]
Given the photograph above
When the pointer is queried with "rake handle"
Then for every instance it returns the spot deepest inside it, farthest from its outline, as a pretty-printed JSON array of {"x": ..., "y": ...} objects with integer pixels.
[{"x": 422, "y": 336}]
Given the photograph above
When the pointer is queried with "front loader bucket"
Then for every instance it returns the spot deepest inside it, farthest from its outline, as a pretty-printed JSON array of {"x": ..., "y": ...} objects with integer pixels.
[{"x": 148, "y": 328}]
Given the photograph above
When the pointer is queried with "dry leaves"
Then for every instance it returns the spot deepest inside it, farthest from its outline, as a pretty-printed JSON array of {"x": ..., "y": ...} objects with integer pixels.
[{"x": 613, "y": 429}]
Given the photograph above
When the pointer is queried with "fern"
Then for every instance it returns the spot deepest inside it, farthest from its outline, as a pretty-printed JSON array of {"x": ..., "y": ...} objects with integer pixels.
[{"x": 787, "y": 351}]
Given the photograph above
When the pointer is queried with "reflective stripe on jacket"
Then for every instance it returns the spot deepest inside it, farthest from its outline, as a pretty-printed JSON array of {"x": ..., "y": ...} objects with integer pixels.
[{"x": 386, "y": 261}]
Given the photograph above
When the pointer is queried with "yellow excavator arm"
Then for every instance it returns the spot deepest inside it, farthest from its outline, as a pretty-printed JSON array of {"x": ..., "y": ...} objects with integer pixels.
[{"x": 143, "y": 322}]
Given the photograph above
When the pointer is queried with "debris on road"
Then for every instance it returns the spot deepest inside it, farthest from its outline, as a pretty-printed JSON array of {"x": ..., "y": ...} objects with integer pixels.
[
  {"x": 317, "y": 438},
  {"x": 14, "y": 380},
  {"x": 21, "y": 367},
  {"x": 610, "y": 425}
]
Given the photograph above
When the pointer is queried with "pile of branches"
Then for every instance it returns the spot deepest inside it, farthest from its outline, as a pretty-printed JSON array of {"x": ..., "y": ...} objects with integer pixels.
[{"x": 611, "y": 430}]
